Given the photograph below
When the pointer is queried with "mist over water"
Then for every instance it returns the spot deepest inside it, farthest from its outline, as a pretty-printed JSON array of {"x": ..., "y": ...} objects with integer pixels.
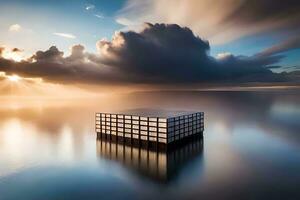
[{"x": 250, "y": 149}]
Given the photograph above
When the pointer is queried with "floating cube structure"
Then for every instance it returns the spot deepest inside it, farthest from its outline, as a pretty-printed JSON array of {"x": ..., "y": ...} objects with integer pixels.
[{"x": 163, "y": 128}]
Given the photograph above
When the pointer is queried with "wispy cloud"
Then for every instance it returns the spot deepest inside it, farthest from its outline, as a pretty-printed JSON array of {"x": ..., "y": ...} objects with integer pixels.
[
  {"x": 100, "y": 16},
  {"x": 15, "y": 28},
  {"x": 94, "y": 11},
  {"x": 287, "y": 45},
  {"x": 218, "y": 21},
  {"x": 65, "y": 35},
  {"x": 124, "y": 21},
  {"x": 89, "y": 7}
]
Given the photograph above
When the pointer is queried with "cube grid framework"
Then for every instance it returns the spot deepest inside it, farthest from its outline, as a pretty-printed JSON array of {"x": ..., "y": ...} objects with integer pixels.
[{"x": 165, "y": 130}]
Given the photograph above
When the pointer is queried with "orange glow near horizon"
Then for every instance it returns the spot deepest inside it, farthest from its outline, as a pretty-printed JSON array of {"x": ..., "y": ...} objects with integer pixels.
[{"x": 13, "y": 85}]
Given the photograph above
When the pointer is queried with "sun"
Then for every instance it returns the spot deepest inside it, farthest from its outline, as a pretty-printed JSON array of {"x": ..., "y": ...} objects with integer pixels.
[
  {"x": 14, "y": 78},
  {"x": 15, "y": 56}
]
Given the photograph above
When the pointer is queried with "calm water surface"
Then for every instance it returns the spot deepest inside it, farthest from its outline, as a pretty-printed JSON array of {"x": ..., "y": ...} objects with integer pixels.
[{"x": 250, "y": 150}]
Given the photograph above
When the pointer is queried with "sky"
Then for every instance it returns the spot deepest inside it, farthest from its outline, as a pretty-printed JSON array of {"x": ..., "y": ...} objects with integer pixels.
[{"x": 149, "y": 43}]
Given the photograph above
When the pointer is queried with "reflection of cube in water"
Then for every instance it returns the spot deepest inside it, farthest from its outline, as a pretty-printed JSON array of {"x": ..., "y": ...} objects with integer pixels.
[
  {"x": 163, "y": 128},
  {"x": 158, "y": 165}
]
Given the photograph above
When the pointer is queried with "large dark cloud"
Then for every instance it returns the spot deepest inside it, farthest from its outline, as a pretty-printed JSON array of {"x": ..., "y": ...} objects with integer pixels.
[
  {"x": 170, "y": 53},
  {"x": 159, "y": 54}
]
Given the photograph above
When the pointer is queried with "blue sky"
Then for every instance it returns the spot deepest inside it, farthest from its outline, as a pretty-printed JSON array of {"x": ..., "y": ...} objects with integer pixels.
[{"x": 40, "y": 19}]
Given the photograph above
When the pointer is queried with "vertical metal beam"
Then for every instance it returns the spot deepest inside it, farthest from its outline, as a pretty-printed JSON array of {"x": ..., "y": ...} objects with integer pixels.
[
  {"x": 131, "y": 127},
  {"x": 124, "y": 128},
  {"x": 139, "y": 130},
  {"x": 117, "y": 127},
  {"x": 157, "y": 133},
  {"x": 148, "y": 129}
]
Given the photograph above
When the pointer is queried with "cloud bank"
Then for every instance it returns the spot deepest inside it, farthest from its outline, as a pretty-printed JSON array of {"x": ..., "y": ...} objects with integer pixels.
[
  {"x": 159, "y": 54},
  {"x": 169, "y": 53}
]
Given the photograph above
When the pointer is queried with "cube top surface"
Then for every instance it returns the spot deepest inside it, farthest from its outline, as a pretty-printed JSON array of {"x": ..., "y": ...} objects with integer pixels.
[{"x": 143, "y": 112}]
